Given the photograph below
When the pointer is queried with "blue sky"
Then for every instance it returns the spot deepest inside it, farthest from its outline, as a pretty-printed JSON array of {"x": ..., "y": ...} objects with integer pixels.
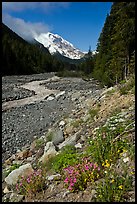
[{"x": 80, "y": 23}]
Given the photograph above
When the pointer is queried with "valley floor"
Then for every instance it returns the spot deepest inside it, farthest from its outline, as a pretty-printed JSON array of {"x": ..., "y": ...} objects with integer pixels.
[{"x": 80, "y": 111}]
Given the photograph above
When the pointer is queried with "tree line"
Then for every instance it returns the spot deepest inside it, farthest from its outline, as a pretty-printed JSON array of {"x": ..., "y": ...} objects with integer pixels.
[{"x": 115, "y": 60}]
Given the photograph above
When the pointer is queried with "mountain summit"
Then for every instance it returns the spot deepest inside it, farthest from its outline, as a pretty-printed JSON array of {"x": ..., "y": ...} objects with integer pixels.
[{"x": 56, "y": 44}]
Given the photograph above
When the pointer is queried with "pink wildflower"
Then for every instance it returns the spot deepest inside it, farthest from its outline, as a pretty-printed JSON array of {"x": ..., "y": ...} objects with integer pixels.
[
  {"x": 66, "y": 180},
  {"x": 86, "y": 167},
  {"x": 76, "y": 172},
  {"x": 28, "y": 180},
  {"x": 70, "y": 188},
  {"x": 74, "y": 180},
  {"x": 95, "y": 166},
  {"x": 71, "y": 184},
  {"x": 17, "y": 187},
  {"x": 98, "y": 168},
  {"x": 21, "y": 184}
]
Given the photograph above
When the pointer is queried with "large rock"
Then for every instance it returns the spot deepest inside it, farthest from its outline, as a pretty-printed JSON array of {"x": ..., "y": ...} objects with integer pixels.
[
  {"x": 56, "y": 136},
  {"x": 60, "y": 94},
  {"x": 23, "y": 170},
  {"x": 49, "y": 152},
  {"x": 14, "y": 197},
  {"x": 70, "y": 140}
]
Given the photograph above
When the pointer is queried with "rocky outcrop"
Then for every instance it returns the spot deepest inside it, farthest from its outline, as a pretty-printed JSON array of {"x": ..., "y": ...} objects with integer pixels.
[
  {"x": 49, "y": 152},
  {"x": 23, "y": 170}
]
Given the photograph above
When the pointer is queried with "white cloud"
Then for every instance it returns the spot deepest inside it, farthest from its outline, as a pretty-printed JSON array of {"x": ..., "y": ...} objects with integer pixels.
[
  {"x": 44, "y": 6},
  {"x": 26, "y": 30}
]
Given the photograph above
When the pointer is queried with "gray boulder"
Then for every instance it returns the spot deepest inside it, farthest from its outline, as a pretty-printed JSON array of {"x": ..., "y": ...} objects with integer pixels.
[
  {"x": 23, "y": 170},
  {"x": 56, "y": 136},
  {"x": 70, "y": 140},
  {"x": 49, "y": 152}
]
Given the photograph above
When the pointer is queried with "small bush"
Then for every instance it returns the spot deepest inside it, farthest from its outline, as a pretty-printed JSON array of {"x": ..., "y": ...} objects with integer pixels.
[
  {"x": 49, "y": 136},
  {"x": 93, "y": 112},
  {"x": 77, "y": 123},
  {"x": 127, "y": 86},
  {"x": 77, "y": 176},
  {"x": 114, "y": 188},
  {"x": 39, "y": 143},
  {"x": 67, "y": 156},
  {"x": 102, "y": 148},
  {"x": 32, "y": 183}
]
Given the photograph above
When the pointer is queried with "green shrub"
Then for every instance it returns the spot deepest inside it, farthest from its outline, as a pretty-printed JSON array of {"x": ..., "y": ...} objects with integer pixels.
[
  {"x": 77, "y": 123},
  {"x": 33, "y": 183},
  {"x": 102, "y": 148},
  {"x": 127, "y": 86},
  {"x": 39, "y": 143},
  {"x": 11, "y": 168},
  {"x": 114, "y": 188},
  {"x": 49, "y": 136},
  {"x": 93, "y": 112},
  {"x": 67, "y": 156}
]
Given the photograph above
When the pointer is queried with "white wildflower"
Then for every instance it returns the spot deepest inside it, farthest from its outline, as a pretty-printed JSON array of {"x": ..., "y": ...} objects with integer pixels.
[{"x": 125, "y": 160}]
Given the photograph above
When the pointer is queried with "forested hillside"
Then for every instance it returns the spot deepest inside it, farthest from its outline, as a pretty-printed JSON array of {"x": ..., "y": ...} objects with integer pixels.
[
  {"x": 115, "y": 60},
  {"x": 22, "y": 57}
]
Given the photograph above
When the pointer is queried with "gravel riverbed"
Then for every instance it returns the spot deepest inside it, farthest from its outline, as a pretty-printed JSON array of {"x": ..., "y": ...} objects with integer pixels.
[{"x": 20, "y": 124}]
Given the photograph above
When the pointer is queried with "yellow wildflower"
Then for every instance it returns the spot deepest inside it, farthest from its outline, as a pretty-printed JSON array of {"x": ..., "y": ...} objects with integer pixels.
[
  {"x": 124, "y": 150},
  {"x": 103, "y": 164},
  {"x": 107, "y": 165},
  {"x": 132, "y": 172},
  {"x": 112, "y": 181},
  {"x": 120, "y": 187}
]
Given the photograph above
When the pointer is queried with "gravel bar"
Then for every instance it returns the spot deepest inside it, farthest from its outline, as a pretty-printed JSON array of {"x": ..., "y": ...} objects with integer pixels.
[{"x": 21, "y": 124}]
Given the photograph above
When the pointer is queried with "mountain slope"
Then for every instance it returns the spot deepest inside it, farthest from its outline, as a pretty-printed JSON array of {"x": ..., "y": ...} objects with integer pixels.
[
  {"x": 22, "y": 57},
  {"x": 56, "y": 43}
]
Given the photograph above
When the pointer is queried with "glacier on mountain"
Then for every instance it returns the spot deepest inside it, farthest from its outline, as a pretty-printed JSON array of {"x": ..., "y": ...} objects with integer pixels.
[{"x": 56, "y": 43}]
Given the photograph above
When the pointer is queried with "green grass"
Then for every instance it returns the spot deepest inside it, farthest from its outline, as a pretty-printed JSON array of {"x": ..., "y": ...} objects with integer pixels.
[
  {"x": 114, "y": 188},
  {"x": 11, "y": 168},
  {"x": 129, "y": 85},
  {"x": 93, "y": 113},
  {"x": 49, "y": 136},
  {"x": 67, "y": 156},
  {"x": 77, "y": 123},
  {"x": 39, "y": 143}
]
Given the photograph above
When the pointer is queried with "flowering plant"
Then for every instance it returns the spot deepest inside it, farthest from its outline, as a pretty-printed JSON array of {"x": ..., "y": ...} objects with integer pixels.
[
  {"x": 32, "y": 183},
  {"x": 76, "y": 177}
]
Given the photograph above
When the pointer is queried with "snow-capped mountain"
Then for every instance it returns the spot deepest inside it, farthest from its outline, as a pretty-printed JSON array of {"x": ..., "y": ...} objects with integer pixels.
[{"x": 56, "y": 43}]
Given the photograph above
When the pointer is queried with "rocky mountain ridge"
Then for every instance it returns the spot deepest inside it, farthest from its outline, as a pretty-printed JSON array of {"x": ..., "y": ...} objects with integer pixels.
[{"x": 56, "y": 43}]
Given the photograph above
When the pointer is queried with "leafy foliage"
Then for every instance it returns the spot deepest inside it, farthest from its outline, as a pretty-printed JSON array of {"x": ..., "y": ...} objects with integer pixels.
[{"x": 116, "y": 45}]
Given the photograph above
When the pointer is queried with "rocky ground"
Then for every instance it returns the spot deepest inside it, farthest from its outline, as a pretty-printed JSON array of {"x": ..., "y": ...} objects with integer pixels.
[
  {"x": 66, "y": 113},
  {"x": 21, "y": 123}
]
